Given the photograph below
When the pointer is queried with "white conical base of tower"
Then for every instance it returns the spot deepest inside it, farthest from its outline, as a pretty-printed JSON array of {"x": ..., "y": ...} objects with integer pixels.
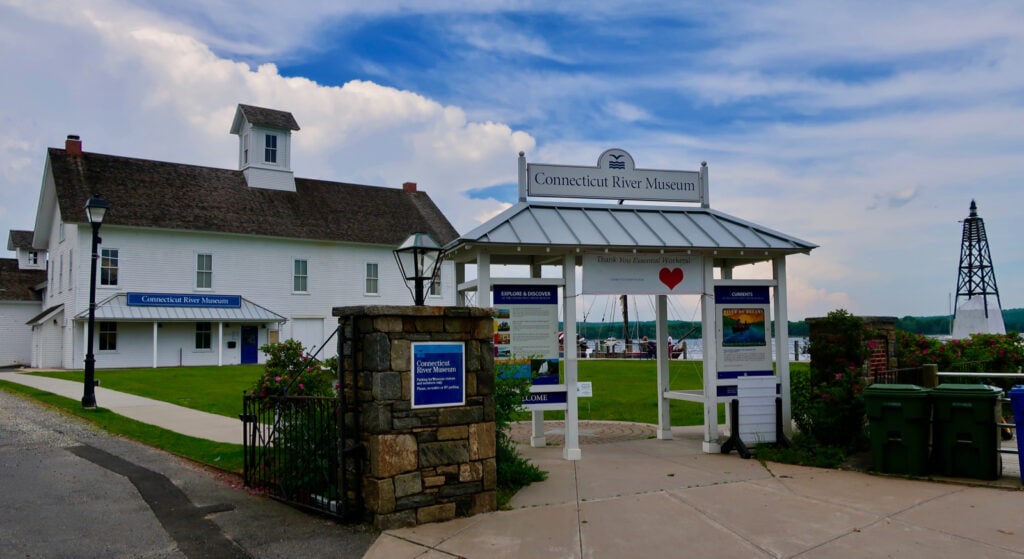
[{"x": 970, "y": 318}]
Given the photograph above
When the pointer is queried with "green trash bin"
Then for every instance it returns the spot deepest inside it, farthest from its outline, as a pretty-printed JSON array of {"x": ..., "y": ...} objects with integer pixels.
[
  {"x": 899, "y": 417},
  {"x": 965, "y": 431}
]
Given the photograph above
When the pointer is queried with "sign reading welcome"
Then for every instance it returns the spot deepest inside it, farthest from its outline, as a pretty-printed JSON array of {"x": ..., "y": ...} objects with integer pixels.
[
  {"x": 184, "y": 300},
  {"x": 615, "y": 177}
]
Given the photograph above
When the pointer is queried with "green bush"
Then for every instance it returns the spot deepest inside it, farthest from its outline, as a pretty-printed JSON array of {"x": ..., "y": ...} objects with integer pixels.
[
  {"x": 830, "y": 412},
  {"x": 514, "y": 470},
  {"x": 290, "y": 371}
]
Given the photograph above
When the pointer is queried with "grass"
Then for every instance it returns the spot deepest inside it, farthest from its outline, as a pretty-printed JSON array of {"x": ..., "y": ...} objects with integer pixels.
[
  {"x": 223, "y": 456},
  {"x": 210, "y": 389},
  {"x": 624, "y": 390}
]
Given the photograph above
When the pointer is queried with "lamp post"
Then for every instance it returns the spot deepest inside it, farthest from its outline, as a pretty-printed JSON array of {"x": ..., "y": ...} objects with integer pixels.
[
  {"x": 95, "y": 209},
  {"x": 419, "y": 259}
]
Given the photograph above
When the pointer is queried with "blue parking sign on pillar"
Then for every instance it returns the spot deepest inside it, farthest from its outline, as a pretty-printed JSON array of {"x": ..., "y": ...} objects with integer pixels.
[{"x": 438, "y": 374}]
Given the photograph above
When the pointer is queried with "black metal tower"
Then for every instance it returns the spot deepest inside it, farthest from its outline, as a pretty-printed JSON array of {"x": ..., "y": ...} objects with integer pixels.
[{"x": 976, "y": 276}]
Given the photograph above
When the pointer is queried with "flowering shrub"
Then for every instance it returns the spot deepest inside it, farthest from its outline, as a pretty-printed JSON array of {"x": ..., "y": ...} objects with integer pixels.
[
  {"x": 290, "y": 371},
  {"x": 993, "y": 353},
  {"x": 831, "y": 410}
]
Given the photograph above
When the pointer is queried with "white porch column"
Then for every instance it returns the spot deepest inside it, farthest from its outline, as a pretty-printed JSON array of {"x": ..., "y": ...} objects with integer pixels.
[
  {"x": 711, "y": 444},
  {"x": 664, "y": 354},
  {"x": 483, "y": 280},
  {"x": 156, "y": 346},
  {"x": 220, "y": 344},
  {"x": 782, "y": 342},
  {"x": 571, "y": 451}
]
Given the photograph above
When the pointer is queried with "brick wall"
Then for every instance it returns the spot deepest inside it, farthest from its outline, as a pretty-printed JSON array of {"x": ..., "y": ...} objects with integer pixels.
[{"x": 427, "y": 464}]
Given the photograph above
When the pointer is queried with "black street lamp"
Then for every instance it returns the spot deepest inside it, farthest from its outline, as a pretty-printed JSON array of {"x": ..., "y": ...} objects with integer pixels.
[
  {"x": 95, "y": 209},
  {"x": 419, "y": 259}
]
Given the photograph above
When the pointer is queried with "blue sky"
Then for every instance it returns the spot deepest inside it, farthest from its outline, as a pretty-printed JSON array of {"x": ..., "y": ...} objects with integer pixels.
[{"x": 863, "y": 127}]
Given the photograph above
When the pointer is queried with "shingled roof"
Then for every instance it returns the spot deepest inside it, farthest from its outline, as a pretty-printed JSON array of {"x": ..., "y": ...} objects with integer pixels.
[
  {"x": 19, "y": 239},
  {"x": 17, "y": 284},
  {"x": 145, "y": 193},
  {"x": 269, "y": 118}
]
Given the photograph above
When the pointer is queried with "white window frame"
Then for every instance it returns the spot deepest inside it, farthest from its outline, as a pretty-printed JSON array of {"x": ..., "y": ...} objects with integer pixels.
[
  {"x": 207, "y": 271},
  {"x": 116, "y": 267},
  {"x": 245, "y": 148},
  {"x": 296, "y": 276},
  {"x": 208, "y": 332},
  {"x": 71, "y": 268},
  {"x": 105, "y": 330},
  {"x": 33, "y": 257},
  {"x": 271, "y": 153},
  {"x": 375, "y": 278},
  {"x": 435, "y": 289}
]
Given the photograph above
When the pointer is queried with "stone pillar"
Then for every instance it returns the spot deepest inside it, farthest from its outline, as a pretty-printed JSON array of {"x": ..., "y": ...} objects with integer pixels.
[{"x": 427, "y": 464}]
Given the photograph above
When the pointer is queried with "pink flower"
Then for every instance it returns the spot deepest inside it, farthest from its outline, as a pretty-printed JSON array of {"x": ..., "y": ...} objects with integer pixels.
[
  {"x": 839, "y": 376},
  {"x": 302, "y": 386},
  {"x": 277, "y": 378}
]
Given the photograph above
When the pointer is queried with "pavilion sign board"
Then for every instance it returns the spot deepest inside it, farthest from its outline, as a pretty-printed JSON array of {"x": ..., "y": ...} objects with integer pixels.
[
  {"x": 744, "y": 336},
  {"x": 183, "y": 300},
  {"x": 615, "y": 177},
  {"x": 642, "y": 274}
]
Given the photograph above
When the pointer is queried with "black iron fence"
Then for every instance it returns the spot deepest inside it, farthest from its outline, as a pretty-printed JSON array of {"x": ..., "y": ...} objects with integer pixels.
[{"x": 293, "y": 447}]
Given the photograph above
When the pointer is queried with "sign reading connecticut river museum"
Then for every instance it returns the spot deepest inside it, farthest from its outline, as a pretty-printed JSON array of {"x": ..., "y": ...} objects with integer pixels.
[
  {"x": 184, "y": 300},
  {"x": 615, "y": 177}
]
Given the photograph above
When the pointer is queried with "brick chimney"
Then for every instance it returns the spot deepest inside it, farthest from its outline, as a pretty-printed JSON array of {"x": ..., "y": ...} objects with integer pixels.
[
  {"x": 409, "y": 186},
  {"x": 73, "y": 145}
]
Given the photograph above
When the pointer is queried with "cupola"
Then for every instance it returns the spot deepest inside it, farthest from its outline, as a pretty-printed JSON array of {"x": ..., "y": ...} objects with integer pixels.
[{"x": 264, "y": 146}]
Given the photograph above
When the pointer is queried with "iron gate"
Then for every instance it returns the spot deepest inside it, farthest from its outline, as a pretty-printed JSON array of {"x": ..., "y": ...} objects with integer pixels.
[{"x": 293, "y": 449}]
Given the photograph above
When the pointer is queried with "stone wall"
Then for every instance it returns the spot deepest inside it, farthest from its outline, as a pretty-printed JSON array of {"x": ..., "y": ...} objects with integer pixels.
[{"x": 427, "y": 464}]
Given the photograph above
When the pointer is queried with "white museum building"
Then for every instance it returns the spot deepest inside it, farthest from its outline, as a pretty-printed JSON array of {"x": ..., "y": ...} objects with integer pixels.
[{"x": 202, "y": 266}]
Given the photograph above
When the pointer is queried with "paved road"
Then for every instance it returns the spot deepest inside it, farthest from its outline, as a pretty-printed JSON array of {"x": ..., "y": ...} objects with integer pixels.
[{"x": 71, "y": 490}]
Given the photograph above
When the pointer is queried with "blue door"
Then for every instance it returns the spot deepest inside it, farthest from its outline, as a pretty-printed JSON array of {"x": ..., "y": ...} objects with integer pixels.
[{"x": 250, "y": 344}]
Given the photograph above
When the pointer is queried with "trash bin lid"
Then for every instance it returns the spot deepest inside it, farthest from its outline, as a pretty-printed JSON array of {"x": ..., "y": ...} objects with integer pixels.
[
  {"x": 981, "y": 391},
  {"x": 1017, "y": 390},
  {"x": 901, "y": 390}
]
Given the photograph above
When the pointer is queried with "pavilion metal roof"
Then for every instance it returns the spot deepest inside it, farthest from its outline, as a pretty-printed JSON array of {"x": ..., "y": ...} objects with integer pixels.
[{"x": 558, "y": 227}]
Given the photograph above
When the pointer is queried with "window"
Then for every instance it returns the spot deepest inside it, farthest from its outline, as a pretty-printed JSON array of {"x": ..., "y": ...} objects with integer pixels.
[
  {"x": 372, "y": 278},
  {"x": 204, "y": 271},
  {"x": 60, "y": 274},
  {"x": 245, "y": 149},
  {"x": 108, "y": 266},
  {"x": 33, "y": 257},
  {"x": 108, "y": 336},
  {"x": 71, "y": 266},
  {"x": 300, "y": 276},
  {"x": 435, "y": 286},
  {"x": 270, "y": 148},
  {"x": 203, "y": 335}
]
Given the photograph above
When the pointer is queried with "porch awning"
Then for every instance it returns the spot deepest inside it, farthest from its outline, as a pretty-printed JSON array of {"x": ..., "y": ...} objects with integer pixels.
[{"x": 116, "y": 308}]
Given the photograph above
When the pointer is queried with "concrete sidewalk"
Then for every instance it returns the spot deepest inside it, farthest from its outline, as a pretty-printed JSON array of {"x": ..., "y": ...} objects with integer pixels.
[
  {"x": 651, "y": 498},
  {"x": 179, "y": 419}
]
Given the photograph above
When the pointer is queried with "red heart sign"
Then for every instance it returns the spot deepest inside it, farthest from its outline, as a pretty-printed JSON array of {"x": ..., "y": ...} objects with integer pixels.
[{"x": 672, "y": 277}]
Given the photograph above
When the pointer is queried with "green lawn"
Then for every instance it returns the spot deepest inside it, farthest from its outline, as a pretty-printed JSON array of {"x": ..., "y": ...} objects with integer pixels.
[
  {"x": 211, "y": 389},
  {"x": 624, "y": 389}
]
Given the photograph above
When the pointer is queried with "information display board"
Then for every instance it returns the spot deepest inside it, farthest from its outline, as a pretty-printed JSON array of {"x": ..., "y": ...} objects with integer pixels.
[
  {"x": 526, "y": 339},
  {"x": 744, "y": 335}
]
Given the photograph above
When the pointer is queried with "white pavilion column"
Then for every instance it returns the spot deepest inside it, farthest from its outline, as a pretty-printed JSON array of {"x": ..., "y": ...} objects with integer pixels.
[
  {"x": 537, "y": 437},
  {"x": 571, "y": 451},
  {"x": 156, "y": 328},
  {"x": 664, "y": 417},
  {"x": 782, "y": 342},
  {"x": 711, "y": 444}
]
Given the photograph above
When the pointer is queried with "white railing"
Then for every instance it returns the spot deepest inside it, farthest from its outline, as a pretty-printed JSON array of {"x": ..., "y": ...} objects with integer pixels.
[{"x": 1013, "y": 426}]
